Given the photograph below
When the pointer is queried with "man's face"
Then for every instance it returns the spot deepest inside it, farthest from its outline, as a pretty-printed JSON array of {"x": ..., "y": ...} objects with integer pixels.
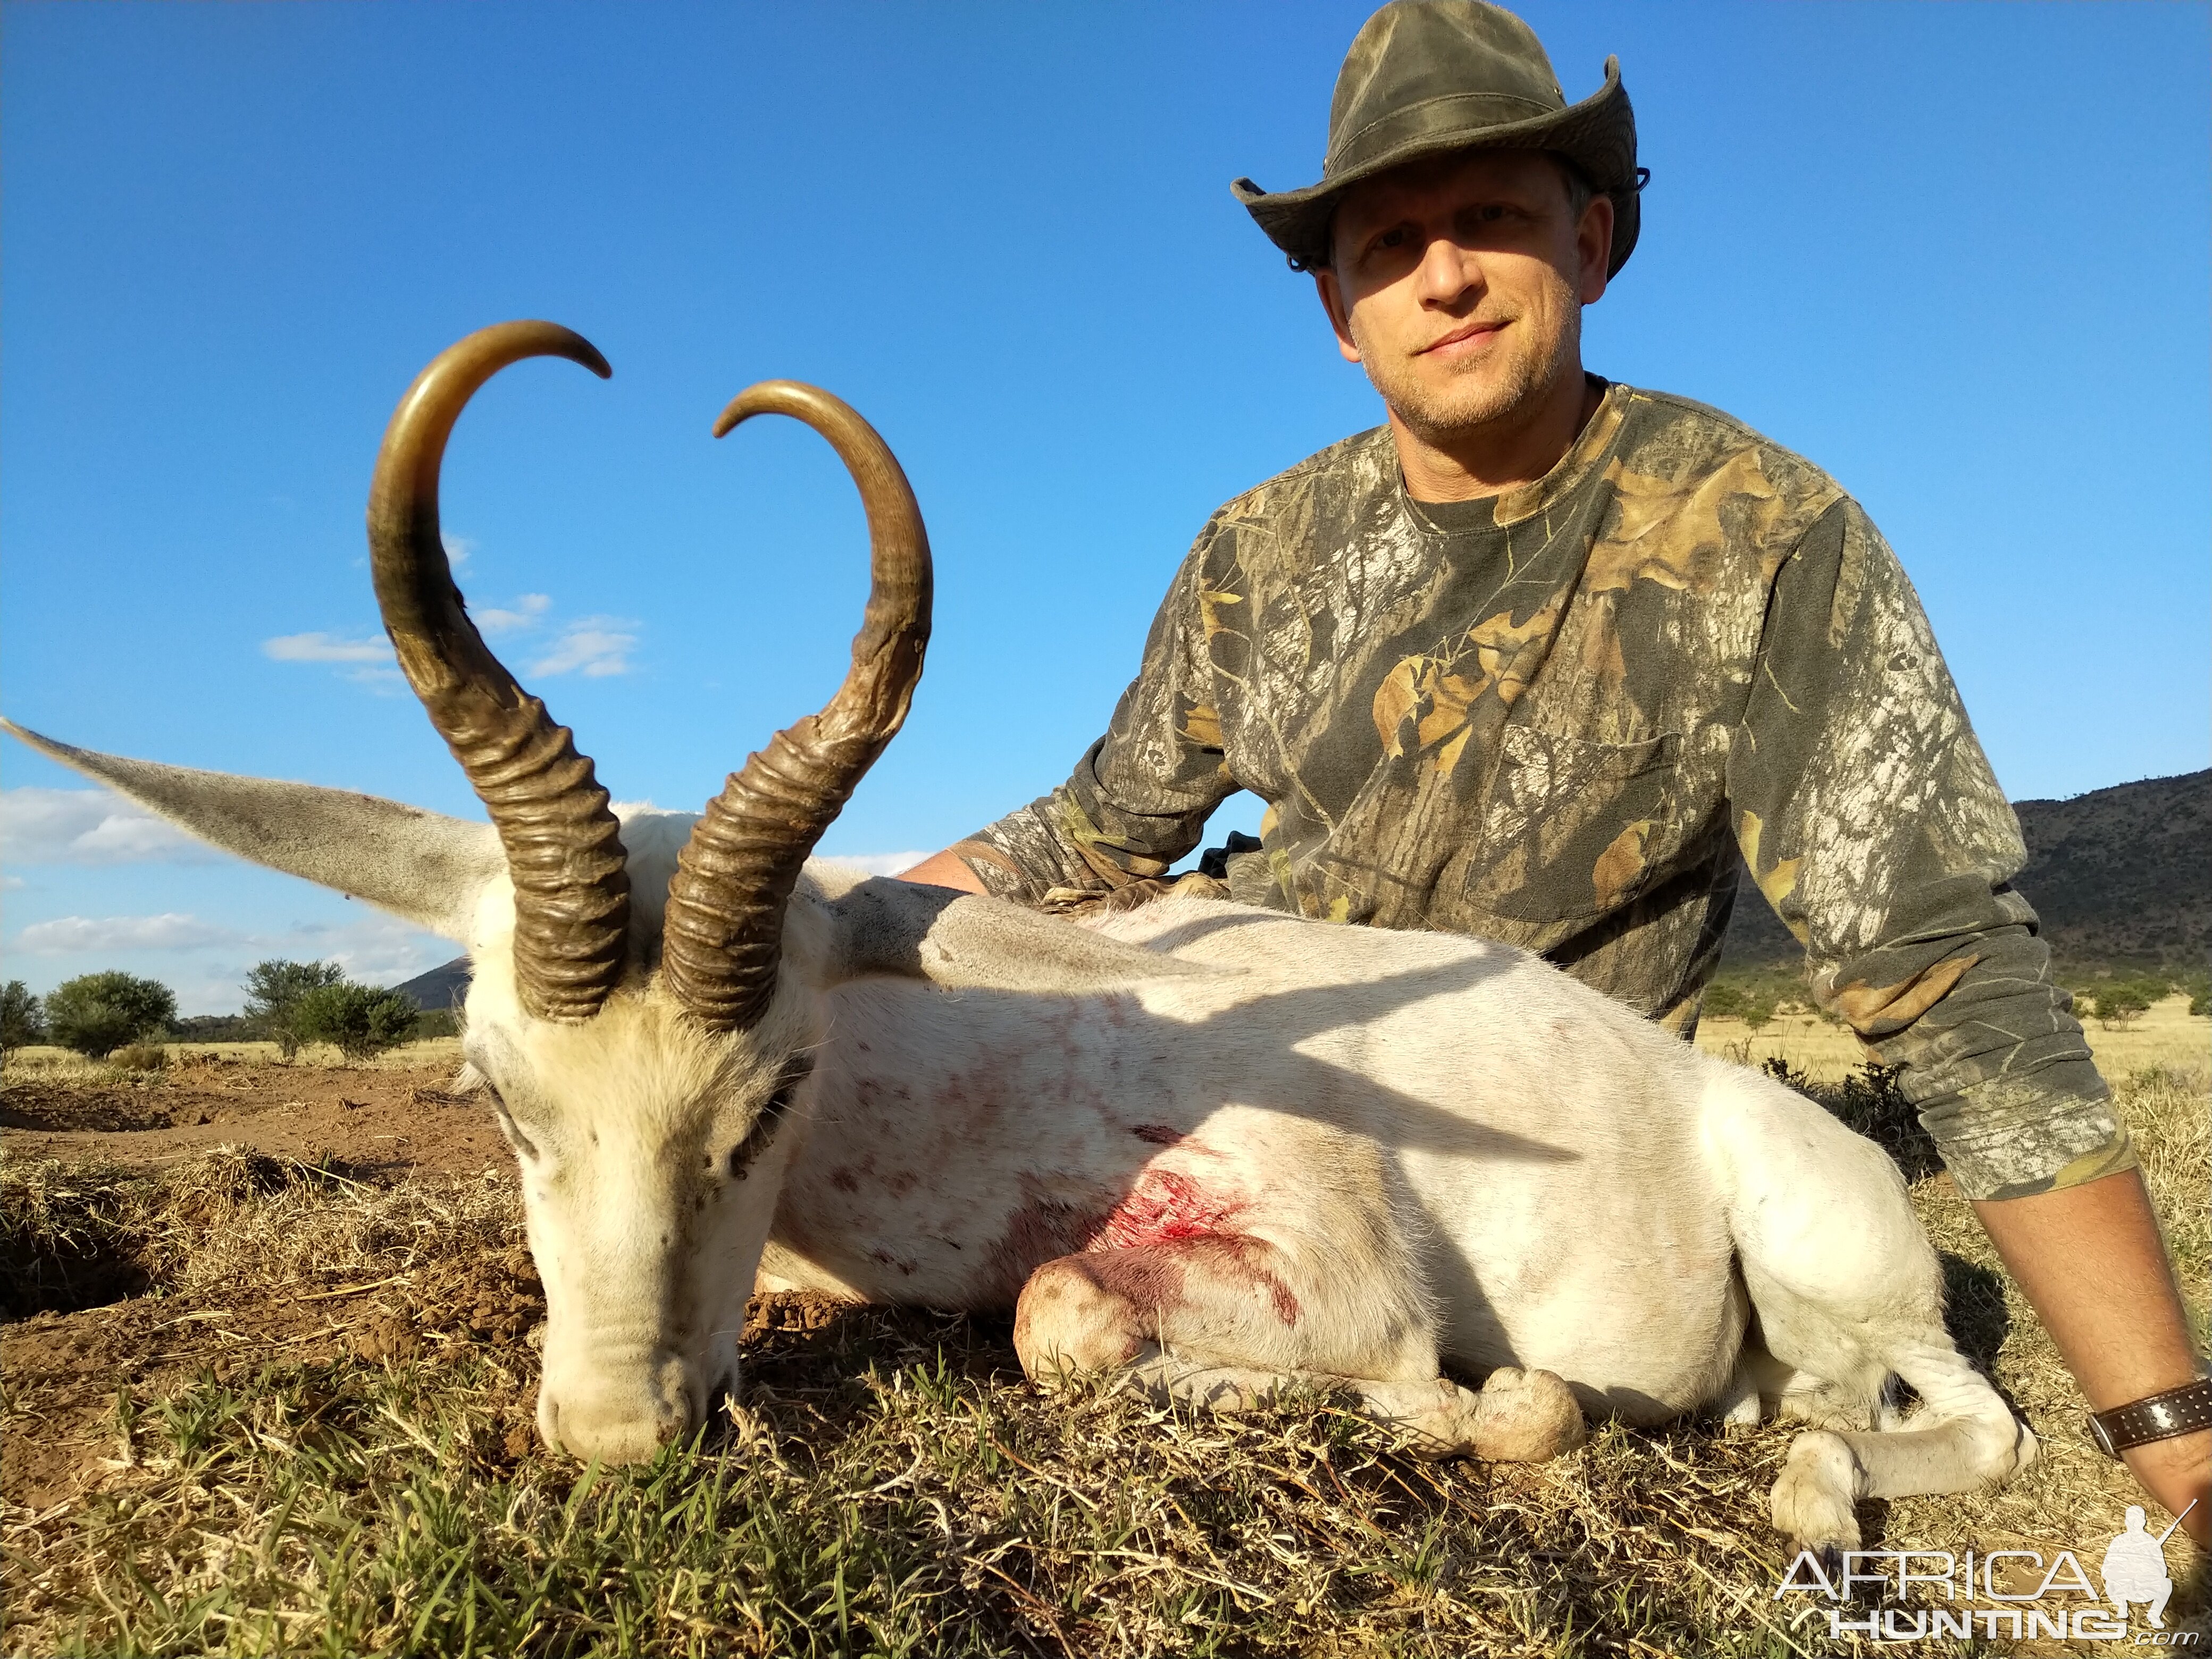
[{"x": 1459, "y": 284}]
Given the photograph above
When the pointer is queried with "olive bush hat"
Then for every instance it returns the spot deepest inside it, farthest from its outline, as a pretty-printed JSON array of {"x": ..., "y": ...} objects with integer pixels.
[{"x": 1426, "y": 76}]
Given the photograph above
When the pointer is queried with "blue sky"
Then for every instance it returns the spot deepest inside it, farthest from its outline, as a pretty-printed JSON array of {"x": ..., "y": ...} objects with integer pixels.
[{"x": 1956, "y": 253}]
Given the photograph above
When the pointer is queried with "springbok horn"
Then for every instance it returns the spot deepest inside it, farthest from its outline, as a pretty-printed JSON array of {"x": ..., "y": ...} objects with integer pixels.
[
  {"x": 724, "y": 928},
  {"x": 564, "y": 850}
]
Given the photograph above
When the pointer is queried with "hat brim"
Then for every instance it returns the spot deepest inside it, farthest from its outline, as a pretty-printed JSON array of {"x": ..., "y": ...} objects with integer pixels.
[{"x": 1598, "y": 135}]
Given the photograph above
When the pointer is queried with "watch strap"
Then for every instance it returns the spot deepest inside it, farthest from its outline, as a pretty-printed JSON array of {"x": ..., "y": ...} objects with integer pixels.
[{"x": 2155, "y": 1417}]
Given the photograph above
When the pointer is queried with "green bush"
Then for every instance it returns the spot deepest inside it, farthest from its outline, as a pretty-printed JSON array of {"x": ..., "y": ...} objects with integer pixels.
[
  {"x": 274, "y": 990},
  {"x": 2117, "y": 1002},
  {"x": 96, "y": 1014},
  {"x": 22, "y": 1021},
  {"x": 437, "y": 1023},
  {"x": 215, "y": 1028},
  {"x": 1753, "y": 1004},
  {"x": 360, "y": 1019}
]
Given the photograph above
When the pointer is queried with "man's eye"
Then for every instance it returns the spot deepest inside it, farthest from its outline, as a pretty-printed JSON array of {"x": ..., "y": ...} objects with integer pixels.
[{"x": 1391, "y": 239}]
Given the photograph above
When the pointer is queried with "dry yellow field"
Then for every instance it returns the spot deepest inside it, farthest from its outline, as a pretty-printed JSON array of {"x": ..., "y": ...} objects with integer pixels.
[
  {"x": 2167, "y": 1036},
  {"x": 44, "y": 1060}
]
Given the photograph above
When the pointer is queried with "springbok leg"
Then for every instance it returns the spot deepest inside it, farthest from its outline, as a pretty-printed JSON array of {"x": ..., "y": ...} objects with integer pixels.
[{"x": 1217, "y": 1323}]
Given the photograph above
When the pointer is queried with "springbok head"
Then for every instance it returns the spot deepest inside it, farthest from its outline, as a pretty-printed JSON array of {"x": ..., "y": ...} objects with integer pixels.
[{"x": 643, "y": 1014}]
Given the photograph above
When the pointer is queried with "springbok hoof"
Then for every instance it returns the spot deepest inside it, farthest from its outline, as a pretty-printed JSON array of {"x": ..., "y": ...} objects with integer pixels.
[
  {"x": 1813, "y": 1499},
  {"x": 1526, "y": 1416}
]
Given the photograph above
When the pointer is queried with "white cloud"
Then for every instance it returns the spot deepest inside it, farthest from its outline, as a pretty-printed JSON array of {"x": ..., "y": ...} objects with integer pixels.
[
  {"x": 171, "y": 932},
  {"x": 87, "y": 826},
  {"x": 457, "y": 549},
  {"x": 596, "y": 646},
  {"x": 325, "y": 647},
  {"x": 525, "y": 613},
  {"x": 876, "y": 864}
]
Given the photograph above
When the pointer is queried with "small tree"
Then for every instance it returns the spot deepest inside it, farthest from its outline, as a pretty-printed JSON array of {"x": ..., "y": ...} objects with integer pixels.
[
  {"x": 360, "y": 1019},
  {"x": 1724, "y": 1002},
  {"x": 273, "y": 992},
  {"x": 2121, "y": 1002},
  {"x": 97, "y": 1013},
  {"x": 22, "y": 1021}
]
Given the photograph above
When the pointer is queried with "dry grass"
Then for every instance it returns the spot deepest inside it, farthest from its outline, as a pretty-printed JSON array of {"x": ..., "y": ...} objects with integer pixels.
[
  {"x": 2167, "y": 1037},
  {"x": 45, "y": 1061},
  {"x": 227, "y": 1219},
  {"x": 891, "y": 1485}
]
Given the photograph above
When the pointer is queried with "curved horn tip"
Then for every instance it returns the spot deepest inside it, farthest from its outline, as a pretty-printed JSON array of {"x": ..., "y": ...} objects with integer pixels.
[
  {"x": 559, "y": 340},
  {"x": 794, "y": 397},
  {"x": 526, "y": 336}
]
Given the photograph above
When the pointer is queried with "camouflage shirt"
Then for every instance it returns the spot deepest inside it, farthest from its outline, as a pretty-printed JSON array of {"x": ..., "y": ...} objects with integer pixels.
[{"x": 1553, "y": 717}]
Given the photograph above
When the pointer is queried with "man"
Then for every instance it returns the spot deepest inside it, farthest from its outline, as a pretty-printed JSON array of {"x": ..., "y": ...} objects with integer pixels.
[
  {"x": 1534, "y": 659},
  {"x": 2134, "y": 1570}
]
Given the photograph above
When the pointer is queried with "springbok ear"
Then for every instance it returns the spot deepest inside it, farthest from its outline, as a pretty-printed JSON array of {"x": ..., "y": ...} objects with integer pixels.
[
  {"x": 960, "y": 941},
  {"x": 422, "y": 866}
]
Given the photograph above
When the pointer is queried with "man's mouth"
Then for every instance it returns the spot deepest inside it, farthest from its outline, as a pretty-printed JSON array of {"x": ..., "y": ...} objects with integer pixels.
[{"x": 1467, "y": 337}]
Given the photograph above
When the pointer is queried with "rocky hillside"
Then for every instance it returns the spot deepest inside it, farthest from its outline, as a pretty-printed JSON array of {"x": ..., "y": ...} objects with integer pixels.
[
  {"x": 2121, "y": 877},
  {"x": 446, "y": 987}
]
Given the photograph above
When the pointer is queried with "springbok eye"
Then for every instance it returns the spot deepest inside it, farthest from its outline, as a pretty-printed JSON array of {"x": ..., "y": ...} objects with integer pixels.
[
  {"x": 771, "y": 1117},
  {"x": 521, "y": 1143}
]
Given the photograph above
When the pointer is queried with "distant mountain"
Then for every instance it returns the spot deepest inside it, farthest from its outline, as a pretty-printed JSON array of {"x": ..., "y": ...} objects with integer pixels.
[
  {"x": 441, "y": 987},
  {"x": 2122, "y": 878}
]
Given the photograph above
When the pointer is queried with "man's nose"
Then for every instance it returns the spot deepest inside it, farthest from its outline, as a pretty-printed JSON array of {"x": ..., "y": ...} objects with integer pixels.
[{"x": 1448, "y": 272}]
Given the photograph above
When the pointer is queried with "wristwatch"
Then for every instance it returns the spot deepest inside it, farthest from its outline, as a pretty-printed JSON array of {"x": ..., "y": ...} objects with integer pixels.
[{"x": 2155, "y": 1417}]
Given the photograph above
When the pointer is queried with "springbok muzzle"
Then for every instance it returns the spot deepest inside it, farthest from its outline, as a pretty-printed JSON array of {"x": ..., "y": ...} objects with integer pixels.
[{"x": 620, "y": 1407}]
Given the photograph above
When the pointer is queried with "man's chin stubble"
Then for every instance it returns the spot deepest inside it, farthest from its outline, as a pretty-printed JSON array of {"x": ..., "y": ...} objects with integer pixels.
[{"x": 1446, "y": 421}]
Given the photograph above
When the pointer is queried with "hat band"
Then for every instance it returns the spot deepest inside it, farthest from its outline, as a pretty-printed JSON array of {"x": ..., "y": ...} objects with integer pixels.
[{"x": 1455, "y": 112}]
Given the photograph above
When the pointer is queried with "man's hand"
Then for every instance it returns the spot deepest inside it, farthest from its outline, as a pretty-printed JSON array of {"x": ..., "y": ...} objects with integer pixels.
[
  {"x": 2091, "y": 1260},
  {"x": 945, "y": 869}
]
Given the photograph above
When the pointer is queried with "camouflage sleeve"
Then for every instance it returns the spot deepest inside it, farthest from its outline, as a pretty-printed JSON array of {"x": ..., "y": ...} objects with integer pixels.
[
  {"x": 1139, "y": 798},
  {"x": 1868, "y": 815}
]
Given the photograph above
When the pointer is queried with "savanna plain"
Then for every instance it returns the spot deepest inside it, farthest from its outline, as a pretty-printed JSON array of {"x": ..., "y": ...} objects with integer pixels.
[{"x": 268, "y": 1369}]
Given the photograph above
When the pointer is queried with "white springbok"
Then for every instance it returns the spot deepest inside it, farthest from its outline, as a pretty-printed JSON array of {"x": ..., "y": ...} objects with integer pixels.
[{"x": 1219, "y": 1147}]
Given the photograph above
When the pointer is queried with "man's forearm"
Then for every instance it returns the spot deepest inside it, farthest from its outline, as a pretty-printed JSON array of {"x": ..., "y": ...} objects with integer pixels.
[
  {"x": 945, "y": 869},
  {"x": 2091, "y": 1261}
]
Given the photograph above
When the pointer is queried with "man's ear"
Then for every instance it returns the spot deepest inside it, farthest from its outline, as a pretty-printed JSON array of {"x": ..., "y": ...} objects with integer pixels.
[
  {"x": 422, "y": 866},
  {"x": 1340, "y": 319},
  {"x": 1593, "y": 247}
]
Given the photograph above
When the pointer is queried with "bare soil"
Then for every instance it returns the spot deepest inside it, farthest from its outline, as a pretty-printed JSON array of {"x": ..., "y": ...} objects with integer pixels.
[{"x": 382, "y": 1122}]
